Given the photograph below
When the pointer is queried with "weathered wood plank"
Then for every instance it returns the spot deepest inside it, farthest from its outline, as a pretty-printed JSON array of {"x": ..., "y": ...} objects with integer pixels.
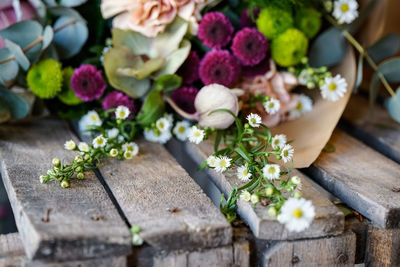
[
  {"x": 12, "y": 254},
  {"x": 328, "y": 251},
  {"x": 362, "y": 178},
  {"x": 328, "y": 220},
  {"x": 383, "y": 247},
  {"x": 155, "y": 193},
  {"x": 378, "y": 131},
  {"x": 26, "y": 150}
]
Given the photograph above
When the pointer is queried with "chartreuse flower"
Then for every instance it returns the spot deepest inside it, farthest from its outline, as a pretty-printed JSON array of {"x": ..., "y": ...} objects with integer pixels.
[
  {"x": 309, "y": 21},
  {"x": 289, "y": 47},
  {"x": 67, "y": 95},
  {"x": 45, "y": 78},
  {"x": 273, "y": 21}
]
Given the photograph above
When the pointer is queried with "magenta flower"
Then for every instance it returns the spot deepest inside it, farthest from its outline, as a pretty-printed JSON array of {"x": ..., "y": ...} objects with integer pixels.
[
  {"x": 88, "y": 83},
  {"x": 215, "y": 30},
  {"x": 250, "y": 46},
  {"x": 189, "y": 71},
  {"x": 219, "y": 66},
  {"x": 184, "y": 98},
  {"x": 260, "y": 69},
  {"x": 115, "y": 99}
]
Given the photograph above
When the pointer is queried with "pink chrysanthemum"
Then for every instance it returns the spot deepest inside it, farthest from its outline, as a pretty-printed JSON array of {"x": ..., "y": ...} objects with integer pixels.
[
  {"x": 219, "y": 66},
  {"x": 215, "y": 30},
  {"x": 184, "y": 98},
  {"x": 88, "y": 83},
  {"x": 249, "y": 46},
  {"x": 259, "y": 69},
  {"x": 246, "y": 20},
  {"x": 189, "y": 71},
  {"x": 115, "y": 99}
]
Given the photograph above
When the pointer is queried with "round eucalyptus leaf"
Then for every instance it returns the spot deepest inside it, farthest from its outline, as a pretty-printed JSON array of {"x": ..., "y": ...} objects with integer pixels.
[
  {"x": 18, "y": 54},
  {"x": 328, "y": 49},
  {"x": 67, "y": 12},
  {"x": 70, "y": 36},
  {"x": 72, "y": 3},
  {"x": 25, "y": 34},
  {"x": 48, "y": 35},
  {"x": 393, "y": 106},
  {"x": 9, "y": 69},
  {"x": 385, "y": 47},
  {"x": 18, "y": 107},
  {"x": 359, "y": 77}
]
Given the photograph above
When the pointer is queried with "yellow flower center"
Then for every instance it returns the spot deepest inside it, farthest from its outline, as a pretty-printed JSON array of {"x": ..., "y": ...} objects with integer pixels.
[
  {"x": 245, "y": 172},
  {"x": 285, "y": 153},
  {"x": 271, "y": 170},
  {"x": 271, "y": 105},
  {"x": 332, "y": 86},
  {"x": 222, "y": 163},
  {"x": 181, "y": 129},
  {"x": 344, "y": 7},
  {"x": 196, "y": 134},
  {"x": 299, "y": 106},
  {"x": 129, "y": 148},
  {"x": 297, "y": 213},
  {"x": 122, "y": 114},
  {"x": 94, "y": 118},
  {"x": 161, "y": 125},
  {"x": 99, "y": 141}
]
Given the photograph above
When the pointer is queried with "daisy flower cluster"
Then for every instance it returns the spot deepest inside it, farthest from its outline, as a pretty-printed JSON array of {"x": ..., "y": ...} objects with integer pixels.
[
  {"x": 259, "y": 159},
  {"x": 112, "y": 134}
]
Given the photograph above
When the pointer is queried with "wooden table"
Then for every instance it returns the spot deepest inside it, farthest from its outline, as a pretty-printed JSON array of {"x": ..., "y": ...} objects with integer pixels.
[{"x": 88, "y": 224}]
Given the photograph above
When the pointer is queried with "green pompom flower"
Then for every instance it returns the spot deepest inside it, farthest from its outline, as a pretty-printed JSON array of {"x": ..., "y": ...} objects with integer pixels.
[
  {"x": 289, "y": 47},
  {"x": 308, "y": 20},
  {"x": 273, "y": 21},
  {"x": 45, "y": 78},
  {"x": 67, "y": 95}
]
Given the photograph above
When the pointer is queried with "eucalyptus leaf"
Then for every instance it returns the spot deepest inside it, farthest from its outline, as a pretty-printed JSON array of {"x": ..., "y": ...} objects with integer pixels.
[
  {"x": 48, "y": 35},
  {"x": 168, "y": 83},
  {"x": 360, "y": 68},
  {"x": 18, "y": 54},
  {"x": 9, "y": 69},
  {"x": 72, "y": 3},
  {"x": 328, "y": 49},
  {"x": 25, "y": 34},
  {"x": 385, "y": 47},
  {"x": 153, "y": 109},
  {"x": 67, "y": 12},
  {"x": 18, "y": 107},
  {"x": 70, "y": 36},
  {"x": 121, "y": 57},
  {"x": 393, "y": 106}
]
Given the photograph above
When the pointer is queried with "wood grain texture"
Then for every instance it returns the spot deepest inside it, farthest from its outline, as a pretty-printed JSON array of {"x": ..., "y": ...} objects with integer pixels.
[
  {"x": 155, "y": 193},
  {"x": 376, "y": 129},
  {"x": 328, "y": 220},
  {"x": 26, "y": 151},
  {"x": 383, "y": 247},
  {"x": 328, "y": 251},
  {"x": 362, "y": 178}
]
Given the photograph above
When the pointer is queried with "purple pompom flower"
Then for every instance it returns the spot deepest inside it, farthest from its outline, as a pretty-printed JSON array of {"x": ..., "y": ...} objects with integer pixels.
[
  {"x": 246, "y": 20},
  {"x": 189, "y": 71},
  {"x": 184, "y": 98},
  {"x": 88, "y": 83},
  {"x": 215, "y": 30},
  {"x": 219, "y": 66},
  {"x": 260, "y": 69},
  {"x": 250, "y": 46},
  {"x": 115, "y": 99}
]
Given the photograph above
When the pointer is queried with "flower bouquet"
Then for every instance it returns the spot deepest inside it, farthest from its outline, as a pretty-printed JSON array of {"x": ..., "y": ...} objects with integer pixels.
[{"x": 252, "y": 76}]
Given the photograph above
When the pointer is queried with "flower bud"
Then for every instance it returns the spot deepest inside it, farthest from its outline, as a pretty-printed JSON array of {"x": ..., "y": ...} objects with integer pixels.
[
  {"x": 212, "y": 97},
  {"x": 78, "y": 159},
  {"x": 296, "y": 180},
  {"x": 78, "y": 169},
  {"x": 80, "y": 176},
  {"x": 135, "y": 229},
  {"x": 297, "y": 194},
  {"x": 42, "y": 179},
  {"x": 254, "y": 199},
  {"x": 272, "y": 212},
  {"x": 55, "y": 162},
  {"x": 64, "y": 184},
  {"x": 269, "y": 191},
  {"x": 137, "y": 240}
]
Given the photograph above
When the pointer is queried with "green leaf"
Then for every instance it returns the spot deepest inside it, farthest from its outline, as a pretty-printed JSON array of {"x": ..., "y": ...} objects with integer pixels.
[
  {"x": 67, "y": 12},
  {"x": 48, "y": 35},
  {"x": 72, "y": 3},
  {"x": 69, "y": 36},
  {"x": 18, "y": 107},
  {"x": 152, "y": 110},
  {"x": 18, "y": 54},
  {"x": 393, "y": 106},
  {"x": 218, "y": 139},
  {"x": 328, "y": 49},
  {"x": 167, "y": 83},
  {"x": 385, "y": 47},
  {"x": 8, "y": 70},
  {"x": 243, "y": 153}
]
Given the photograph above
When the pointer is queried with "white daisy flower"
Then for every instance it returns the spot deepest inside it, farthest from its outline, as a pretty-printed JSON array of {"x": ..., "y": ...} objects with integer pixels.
[
  {"x": 164, "y": 137},
  {"x": 304, "y": 77},
  {"x": 122, "y": 112},
  {"x": 287, "y": 153},
  {"x": 170, "y": 118},
  {"x": 83, "y": 147},
  {"x": 163, "y": 124},
  {"x": 278, "y": 141},
  {"x": 245, "y": 195},
  {"x": 222, "y": 164},
  {"x": 271, "y": 171},
  {"x": 92, "y": 118},
  {"x": 114, "y": 152},
  {"x": 212, "y": 161},
  {"x": 131, "y": 147},
  {"x": 272, "y": 106},
  {"x": 99, "y": 141},
  {"x": 345, "y": 11},
  {"x": 70, "y": 145},
  {"x": 334, "y": 88},
  {"x": 128, "y": 155},
  {"x": 254, "y": 199},
  {"x": 254, "y": 120},
  {"x": 243, "y": 173},
  {"x": 181, "y": 130},
  {"x": 121, "y": 138},
  {"x": 297, "y": 214},
  {"x": 303, "y": 106},
  {"x": 195, "y": 135},
  {"x": 150, "y": 135},
  {"x": 112, "y": 133},
  {"x": 296, "y": 180}
]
